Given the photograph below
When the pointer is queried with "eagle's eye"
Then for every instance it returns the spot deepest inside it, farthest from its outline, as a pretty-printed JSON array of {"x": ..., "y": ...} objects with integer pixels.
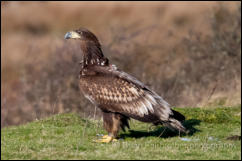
[{"x": 81, "y": 33}]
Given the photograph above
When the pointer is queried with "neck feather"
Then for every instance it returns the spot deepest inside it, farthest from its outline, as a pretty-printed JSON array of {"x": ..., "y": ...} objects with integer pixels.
[{"x": 92, "y": 54}]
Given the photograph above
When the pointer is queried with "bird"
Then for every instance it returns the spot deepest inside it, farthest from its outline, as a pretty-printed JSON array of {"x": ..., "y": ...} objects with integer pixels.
[{"x": 118, "y": 95}]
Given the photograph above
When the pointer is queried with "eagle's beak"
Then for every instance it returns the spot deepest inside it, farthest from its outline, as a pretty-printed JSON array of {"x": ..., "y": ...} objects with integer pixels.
[{"x": 72, "y": 35}]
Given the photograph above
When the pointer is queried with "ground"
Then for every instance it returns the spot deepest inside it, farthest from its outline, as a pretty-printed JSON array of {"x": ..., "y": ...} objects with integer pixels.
[{"x": 68, "y": 136}]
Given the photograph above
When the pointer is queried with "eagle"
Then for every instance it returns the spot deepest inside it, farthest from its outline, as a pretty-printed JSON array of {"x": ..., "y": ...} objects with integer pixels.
[{"x": 119, "y": 95}]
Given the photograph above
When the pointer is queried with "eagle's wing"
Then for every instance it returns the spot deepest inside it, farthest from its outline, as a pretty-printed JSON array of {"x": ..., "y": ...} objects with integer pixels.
[{"x": 117, "y": 91}]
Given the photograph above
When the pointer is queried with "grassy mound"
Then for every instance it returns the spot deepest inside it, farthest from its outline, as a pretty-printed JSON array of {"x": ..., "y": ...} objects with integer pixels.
[{"x": 67, "y": 136}]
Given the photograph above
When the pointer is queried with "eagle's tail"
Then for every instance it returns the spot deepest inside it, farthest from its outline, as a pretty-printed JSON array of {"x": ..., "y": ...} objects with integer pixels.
[{"x": 175, "y": 122}]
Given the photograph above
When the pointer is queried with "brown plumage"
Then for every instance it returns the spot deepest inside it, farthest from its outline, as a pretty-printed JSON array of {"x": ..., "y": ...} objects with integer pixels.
[{"x": 119, "y": 95}]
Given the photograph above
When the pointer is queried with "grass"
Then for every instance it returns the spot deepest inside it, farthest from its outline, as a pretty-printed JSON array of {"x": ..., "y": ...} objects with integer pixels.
[{"x": 67, "y": 136}]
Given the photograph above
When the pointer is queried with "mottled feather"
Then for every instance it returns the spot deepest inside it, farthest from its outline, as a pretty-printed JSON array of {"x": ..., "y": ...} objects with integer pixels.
[{"x": 117, "y": 91}]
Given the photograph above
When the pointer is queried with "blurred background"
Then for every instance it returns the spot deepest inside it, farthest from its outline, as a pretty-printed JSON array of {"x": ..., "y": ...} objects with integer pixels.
[{"x": 188, "y": 52}]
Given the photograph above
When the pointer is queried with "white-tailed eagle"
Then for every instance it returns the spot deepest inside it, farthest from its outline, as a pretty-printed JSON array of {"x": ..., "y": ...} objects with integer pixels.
[{"x": 119, "y": 95}]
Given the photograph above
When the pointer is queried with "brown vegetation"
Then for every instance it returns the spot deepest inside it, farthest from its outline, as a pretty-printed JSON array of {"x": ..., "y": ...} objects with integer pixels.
[{"x": 188, "y": 52}]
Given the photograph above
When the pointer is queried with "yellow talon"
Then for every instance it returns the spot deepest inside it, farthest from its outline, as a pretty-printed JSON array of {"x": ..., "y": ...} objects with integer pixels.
[
  {"x": 105, "y": 136},
  {"x": 106, "y": 139}
]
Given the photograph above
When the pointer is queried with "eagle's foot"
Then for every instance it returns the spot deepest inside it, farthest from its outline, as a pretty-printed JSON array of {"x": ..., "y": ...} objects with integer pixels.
[
  {"x": 106, "y": 139},
  {"x": 105, "y": 136}
]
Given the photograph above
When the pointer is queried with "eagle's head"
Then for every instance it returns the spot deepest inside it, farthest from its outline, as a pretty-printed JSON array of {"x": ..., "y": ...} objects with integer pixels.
[
  {"x": 90, "y": 46},
  {"x": 82, "y": 34}
]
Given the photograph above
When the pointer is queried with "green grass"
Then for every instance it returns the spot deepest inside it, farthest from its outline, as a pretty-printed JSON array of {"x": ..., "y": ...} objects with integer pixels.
[{"x": 67, "y": 136}]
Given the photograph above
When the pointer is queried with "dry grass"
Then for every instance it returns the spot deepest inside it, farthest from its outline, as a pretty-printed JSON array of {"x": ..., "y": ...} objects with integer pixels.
[{"x": 189, "y": 53}]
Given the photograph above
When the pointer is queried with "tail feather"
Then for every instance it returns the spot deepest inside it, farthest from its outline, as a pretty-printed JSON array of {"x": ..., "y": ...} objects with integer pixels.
[
  {"x": 175, "y": 122},
  {"x": 178, "y": 116}
]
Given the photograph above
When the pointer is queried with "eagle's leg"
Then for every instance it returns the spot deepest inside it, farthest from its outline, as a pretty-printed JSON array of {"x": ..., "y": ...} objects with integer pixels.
[{"x": 111, "y": 123}]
